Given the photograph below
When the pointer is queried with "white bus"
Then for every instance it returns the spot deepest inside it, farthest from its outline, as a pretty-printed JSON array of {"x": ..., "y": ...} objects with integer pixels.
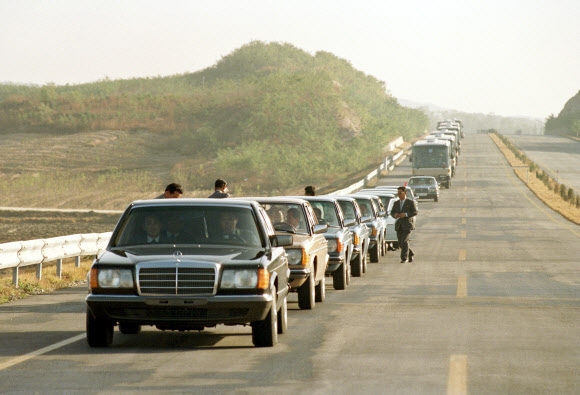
[{"x": 432, "y": 157}]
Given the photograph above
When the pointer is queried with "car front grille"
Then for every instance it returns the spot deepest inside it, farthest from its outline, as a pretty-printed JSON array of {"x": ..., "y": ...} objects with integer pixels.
[
  {"x": 421, "y": 190},
  {"x": 177, "y": 280}
]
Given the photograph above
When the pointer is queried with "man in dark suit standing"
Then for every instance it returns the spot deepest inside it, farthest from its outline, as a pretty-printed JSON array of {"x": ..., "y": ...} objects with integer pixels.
[
  {"x": 221, "y": 190},
  {"x": 404, "y": 211}
]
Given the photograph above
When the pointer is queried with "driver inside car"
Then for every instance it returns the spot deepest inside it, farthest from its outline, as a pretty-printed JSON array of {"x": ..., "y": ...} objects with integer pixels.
[{"x": 293, "y": 218}]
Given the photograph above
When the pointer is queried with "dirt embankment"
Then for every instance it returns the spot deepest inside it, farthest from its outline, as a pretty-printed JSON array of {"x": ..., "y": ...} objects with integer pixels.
[{"x": 31, "y": 225}]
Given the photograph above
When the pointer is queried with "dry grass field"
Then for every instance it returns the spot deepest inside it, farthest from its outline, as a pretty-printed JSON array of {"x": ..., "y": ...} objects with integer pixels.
[{"x": 90, "y": 170}]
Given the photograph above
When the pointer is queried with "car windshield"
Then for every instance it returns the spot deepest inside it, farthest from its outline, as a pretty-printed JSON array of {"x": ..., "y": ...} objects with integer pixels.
[
  {"x": 366, "y": 207},
  {"x": 421, "y": 181},
  {"x": 326, "y": 213},
  {"x": 163, "y": 225},
  {"x": 286, "y": 217}
]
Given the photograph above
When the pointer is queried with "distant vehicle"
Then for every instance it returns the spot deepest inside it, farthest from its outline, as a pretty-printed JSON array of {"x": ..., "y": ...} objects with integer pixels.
[
  {"x": 385, "y": 195},
  {"x": 393, "y": 189},
  {"x": 338, "y": 235},
  {"x": 373, "y": 215},
  {"x": 391, "y": 233},
  {"x": 432, "y": 158},
  {"x": 196, "y": 277},
  {"x": 424, "y": 187},
  {"x": 361, "y": 234}
]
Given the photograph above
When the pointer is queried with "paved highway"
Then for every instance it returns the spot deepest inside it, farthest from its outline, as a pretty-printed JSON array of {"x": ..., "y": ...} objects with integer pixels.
[
  {"x": 491, "y": 305},
  {"x": 559, "y": 156}
]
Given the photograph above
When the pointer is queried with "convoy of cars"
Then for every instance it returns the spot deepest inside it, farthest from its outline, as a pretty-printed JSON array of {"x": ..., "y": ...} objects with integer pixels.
[
  {"x": 437, "y": 155},
  {"x": 189, "y": 264}
]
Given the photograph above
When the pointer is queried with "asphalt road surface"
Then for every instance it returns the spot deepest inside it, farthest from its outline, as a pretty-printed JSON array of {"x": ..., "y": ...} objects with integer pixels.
[
  {"x": 558, "y": 156},
  {"x": 491, "y": 305}
]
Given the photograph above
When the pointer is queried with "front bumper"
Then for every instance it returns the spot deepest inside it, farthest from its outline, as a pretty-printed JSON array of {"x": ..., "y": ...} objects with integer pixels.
[
  {"x": 334, "y": 263},
  {"x": 298, "y": 277},
  {"x": 202, "y": 311}
]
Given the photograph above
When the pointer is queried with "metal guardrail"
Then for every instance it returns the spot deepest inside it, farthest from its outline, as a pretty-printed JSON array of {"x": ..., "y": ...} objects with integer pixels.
[
  {"x": 387, "y": 165},
  {"x": 36, "y": 252}
]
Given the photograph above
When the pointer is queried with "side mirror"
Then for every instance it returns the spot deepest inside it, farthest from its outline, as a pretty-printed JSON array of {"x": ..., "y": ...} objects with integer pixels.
[
  {"x": 320, "y": 228},
  {"x": 349, "y": 222},
  {"x": 281, "y": 240}
]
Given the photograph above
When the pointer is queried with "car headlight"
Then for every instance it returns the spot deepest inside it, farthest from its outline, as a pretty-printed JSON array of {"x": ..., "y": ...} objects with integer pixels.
[
  {"x": 245, "y": 278},
  {"x": 332, "y": 245},
  {"x": 294, "y": 256},
  {"x": 113, "y": 278}
]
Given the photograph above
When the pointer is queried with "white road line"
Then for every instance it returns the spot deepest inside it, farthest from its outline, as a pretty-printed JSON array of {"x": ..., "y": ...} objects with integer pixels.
[
  {"x": 457, "y": 382},
  {"x": 44, "y": 350},
  {"x": 461, "y": 287}
]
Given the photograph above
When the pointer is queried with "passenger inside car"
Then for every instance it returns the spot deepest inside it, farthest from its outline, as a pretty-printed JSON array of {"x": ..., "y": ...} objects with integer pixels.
[
  {"x": 229, "y": 231},
  {"x": 318, "y": 213}
]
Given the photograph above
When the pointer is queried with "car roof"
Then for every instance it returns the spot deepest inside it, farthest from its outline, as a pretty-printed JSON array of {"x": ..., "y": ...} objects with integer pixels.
[
  {"x": 378, "y": 192},
  {"x": 192, "y": 202},
  {"x": 422, "y": 177},
  {"x": 321, "y": 198},
  {"x": 276, "y": 199}
]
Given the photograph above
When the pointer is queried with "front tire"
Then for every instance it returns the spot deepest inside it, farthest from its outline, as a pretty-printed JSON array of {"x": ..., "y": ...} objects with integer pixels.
[
  {"x": 320, "y": 290},
  {"x": 339, "y": 277},
  {"x": 283, "y": 317},
  {"x": 364, "y": 264},
  {"x": 306, "y": 293},
  {"x": 375, "y": 252},
  {"x": 265, "y": 332},
  {"x": 99, "y": 332},
  {"x": 356, "y": 266}
]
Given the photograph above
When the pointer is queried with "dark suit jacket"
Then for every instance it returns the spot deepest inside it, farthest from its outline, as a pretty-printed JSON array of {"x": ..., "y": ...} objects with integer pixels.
[
  {"x": 219, "y": 195},
  {"x": 410, "y": 208}
]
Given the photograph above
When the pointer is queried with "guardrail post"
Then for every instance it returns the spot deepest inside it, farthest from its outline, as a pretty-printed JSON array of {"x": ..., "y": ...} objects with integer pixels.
[
  {"x": 15, "y": 276},
  {"x": 59, "y": 268},
  {"x": 39, "y": 271},
  {"x": 78, "y": 261}
]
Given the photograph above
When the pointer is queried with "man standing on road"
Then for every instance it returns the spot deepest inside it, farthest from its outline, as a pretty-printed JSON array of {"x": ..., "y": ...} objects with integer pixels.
[{"x": 404, "y": 211}]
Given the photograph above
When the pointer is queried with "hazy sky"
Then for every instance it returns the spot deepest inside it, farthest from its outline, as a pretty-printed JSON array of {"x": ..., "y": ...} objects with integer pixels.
[{"x": 508, "y": 57}]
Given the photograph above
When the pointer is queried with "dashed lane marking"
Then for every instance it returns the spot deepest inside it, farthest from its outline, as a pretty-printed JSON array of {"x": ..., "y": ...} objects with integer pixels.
[
  {"x": 457, "y": 381},
  {"x": 461, "y": 286}
]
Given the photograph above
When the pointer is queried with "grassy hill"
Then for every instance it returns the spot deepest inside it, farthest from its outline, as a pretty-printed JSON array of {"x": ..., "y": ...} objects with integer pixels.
[
  {"x": 269, "y": 118},
  {"x": 568, "y": 121}
]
